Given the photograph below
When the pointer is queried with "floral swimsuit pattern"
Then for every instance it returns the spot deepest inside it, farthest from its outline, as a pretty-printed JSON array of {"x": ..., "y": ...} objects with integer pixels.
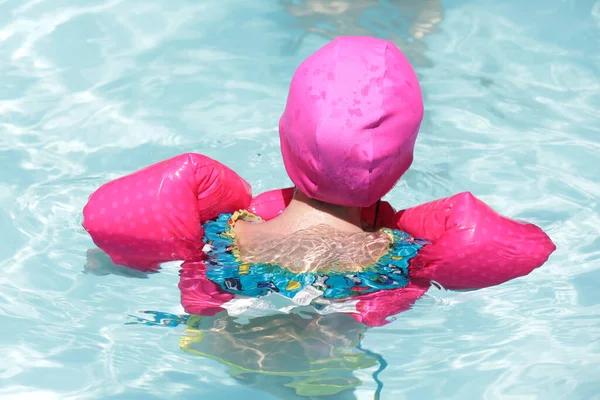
[{"x": 225, "y": 268}]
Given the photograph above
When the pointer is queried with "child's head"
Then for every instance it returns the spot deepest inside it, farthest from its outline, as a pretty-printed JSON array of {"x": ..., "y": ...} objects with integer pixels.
[{"x": 351, "y": 120}]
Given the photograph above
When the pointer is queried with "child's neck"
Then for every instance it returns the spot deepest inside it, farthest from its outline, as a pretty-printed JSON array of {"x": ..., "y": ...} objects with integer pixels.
[{"x": 304, "y": 212}]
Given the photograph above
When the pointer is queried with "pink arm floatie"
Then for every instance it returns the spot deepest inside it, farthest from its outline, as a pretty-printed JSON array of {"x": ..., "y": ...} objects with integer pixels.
[
  {"x": 155, "y": 214},
  {"x": 472, "y": 246}
]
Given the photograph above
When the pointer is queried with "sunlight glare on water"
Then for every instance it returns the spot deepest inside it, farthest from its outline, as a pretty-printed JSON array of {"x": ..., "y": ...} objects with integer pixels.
[{"x": 93, "y": 90}]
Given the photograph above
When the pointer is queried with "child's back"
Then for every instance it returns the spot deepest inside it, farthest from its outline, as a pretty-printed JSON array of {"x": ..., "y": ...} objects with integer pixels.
[{"x": 320, "y": 248}]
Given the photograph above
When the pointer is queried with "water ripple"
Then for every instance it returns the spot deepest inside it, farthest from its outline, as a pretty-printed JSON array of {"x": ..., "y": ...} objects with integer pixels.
[{"x": 91, "y": 91}]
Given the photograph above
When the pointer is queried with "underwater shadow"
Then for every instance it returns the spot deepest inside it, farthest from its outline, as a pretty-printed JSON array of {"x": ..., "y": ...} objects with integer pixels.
[{"x": 296, "y": 355}]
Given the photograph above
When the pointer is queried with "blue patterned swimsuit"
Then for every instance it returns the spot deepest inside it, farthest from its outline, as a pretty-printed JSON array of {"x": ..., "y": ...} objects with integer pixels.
[{"x": 225, "y": 268}]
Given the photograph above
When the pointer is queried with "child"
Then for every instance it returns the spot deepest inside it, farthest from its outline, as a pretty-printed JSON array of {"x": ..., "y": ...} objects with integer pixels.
[{"x": 347, "y": 136}]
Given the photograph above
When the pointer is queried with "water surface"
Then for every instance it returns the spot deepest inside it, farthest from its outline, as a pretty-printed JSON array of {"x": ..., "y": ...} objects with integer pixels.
[{"x": 93, "y": 90}]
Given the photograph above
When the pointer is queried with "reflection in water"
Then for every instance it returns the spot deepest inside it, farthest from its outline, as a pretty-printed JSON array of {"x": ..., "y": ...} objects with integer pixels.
[
  {"x": 404, "y": 22},
  {"x": 296, "y": 355},
  {"x": 287, "y": 354},
  {"x": 99, "y": 263}
]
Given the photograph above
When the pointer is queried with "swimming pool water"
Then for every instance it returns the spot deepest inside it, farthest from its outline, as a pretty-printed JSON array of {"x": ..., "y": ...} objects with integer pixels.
[{"x": 93, "y": 90}]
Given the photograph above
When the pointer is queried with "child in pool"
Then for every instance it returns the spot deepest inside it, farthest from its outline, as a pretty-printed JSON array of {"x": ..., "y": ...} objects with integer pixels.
[
  {"x": 347, "y": 136},
  {"x": 347, "y": 133}
]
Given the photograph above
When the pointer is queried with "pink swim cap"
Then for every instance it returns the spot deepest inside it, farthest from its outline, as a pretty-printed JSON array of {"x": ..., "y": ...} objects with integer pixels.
[{"x": 351, "y": 120}]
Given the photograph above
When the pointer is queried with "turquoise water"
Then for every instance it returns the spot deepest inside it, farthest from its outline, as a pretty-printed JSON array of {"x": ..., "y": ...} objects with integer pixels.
[{"x": 92, "y": 91}]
